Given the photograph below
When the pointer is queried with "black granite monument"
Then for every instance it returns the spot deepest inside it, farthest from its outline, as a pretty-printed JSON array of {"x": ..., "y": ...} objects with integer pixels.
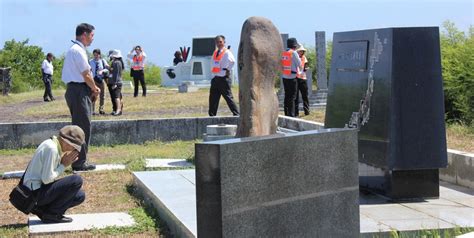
[{"x": 387, "y": 83}]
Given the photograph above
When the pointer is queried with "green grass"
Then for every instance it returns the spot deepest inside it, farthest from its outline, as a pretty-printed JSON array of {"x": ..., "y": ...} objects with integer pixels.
[
  {"x": 17, "y": 152},
  {"x": 134, "y": 155},
  {"x": 145, "y": 216},
  {"x": 19, "y": 230},
  {"x": 26, "y": 96},
  {"x": 460, "y": 137},
  {"x": 144, "y": 223}
]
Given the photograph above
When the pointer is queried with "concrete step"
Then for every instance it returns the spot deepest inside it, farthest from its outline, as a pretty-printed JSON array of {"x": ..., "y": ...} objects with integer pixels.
[
  {"x": 81, "y": 222},
  {"x": 167, "y": 163}
]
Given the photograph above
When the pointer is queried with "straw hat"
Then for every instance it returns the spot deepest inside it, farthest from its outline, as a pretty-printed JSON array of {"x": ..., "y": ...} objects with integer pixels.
[{"x": 301, "y": 48}]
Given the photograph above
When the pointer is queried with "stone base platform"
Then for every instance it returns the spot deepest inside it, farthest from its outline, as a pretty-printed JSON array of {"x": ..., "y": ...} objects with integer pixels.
[{"x": 173, "y": 193}]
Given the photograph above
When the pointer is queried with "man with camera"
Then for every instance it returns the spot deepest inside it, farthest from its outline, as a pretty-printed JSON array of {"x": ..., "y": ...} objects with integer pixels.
[{"x": 99, "y": 68}]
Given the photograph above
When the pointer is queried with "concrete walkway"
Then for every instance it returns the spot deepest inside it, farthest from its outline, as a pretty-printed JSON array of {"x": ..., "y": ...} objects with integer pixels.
[
  {"x": 167, "y": 163},
  {"x": 173, "y": 192},
  {"x": 99, "y": 167},
  {"x": 81, "y": 222}
]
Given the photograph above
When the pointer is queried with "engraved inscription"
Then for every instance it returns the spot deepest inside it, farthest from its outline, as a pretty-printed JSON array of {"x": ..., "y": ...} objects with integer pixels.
[{"x": 353, "y": 56}]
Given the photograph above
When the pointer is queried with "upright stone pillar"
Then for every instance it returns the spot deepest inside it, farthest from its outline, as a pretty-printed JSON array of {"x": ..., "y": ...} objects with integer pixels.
[
  {"x": 321, "y": 75},
  {"x": 259, "y": 63}
]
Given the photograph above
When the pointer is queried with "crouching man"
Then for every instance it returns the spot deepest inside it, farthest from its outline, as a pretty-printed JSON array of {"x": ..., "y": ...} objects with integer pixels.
[{"x": 52, "y": 156}]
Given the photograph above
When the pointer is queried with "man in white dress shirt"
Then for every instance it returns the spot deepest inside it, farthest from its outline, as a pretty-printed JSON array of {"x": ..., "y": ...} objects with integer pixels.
[
  {"x": 47, "y": 74},
  {"x": 81, "y": 89},
  {"x": 222, "y": 63}
]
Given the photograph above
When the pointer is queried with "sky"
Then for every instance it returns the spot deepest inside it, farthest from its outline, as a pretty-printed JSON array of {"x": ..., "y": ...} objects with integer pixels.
[{"x": 162, "y": 26}]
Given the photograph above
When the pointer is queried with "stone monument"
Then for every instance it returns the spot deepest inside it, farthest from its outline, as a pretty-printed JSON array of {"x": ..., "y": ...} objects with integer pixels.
[
  {"x": 303, "y": 184},
  {"x": 258, "y": 66},
  {"x": 321, "y": 75},
  {"x": 387, "y": 83}
]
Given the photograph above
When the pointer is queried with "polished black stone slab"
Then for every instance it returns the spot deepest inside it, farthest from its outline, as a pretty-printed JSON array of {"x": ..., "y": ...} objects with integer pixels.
[
  {"x": 387, "y": 82},
  {"x": 297, "y": 185}
]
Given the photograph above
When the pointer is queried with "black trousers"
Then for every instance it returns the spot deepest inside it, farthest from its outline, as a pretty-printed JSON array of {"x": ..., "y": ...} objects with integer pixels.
[
  {"x": 303, "y": 88},
  {"x": 55, "y": 198},
  {"x": 114, "y": 94},
  {"x": 291, "y": 86},
  {"x": 101, "y": 95},
  {"x": 220, "y": 86},
  {"x": 47, "y": 80},
  {"x": 80, "y": 106},
  {"x": 138, "y": 77}
]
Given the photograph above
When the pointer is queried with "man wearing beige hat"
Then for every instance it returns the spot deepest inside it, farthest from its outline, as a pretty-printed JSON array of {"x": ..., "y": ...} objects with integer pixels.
[{"x": 51, "y": 158}]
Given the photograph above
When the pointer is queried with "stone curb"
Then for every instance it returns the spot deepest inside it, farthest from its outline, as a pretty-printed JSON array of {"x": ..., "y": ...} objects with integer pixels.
[{"x": 460, "y": 169}]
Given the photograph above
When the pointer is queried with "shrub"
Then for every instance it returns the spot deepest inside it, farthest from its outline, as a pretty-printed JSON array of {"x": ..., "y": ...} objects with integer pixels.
[
  {"x": 25, "y": 61},
  {"x": 457, "y": 59}
]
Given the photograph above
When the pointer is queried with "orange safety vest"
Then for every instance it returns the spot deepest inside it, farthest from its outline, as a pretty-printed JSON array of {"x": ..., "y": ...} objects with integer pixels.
[
  {"x": 286, "y": 57},
  {"x": 138, "y": 62},
  {"x": 303, "y": 62},
  {"x": 216, "y": 60}
]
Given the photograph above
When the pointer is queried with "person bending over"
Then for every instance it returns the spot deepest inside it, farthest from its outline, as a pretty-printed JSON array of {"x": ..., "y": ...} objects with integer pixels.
[{"x": 55, "y": 196}]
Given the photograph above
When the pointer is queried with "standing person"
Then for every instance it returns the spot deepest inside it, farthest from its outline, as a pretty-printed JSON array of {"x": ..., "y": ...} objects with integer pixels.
[
  {"x": 302, "y": 83},
  {"x": 81, "y": 90},
  {"x": 115, "y": 82},
  {"x": 222, "y": 63},
  {"x": 54, "y": 196},
  {"x": 290, "y": 62},
  {"x": 178, "y": 57},
  {"x": 47, "y": 75},
  {"x": 137, "y": 71},
  {"x": 99, "y": 68}
]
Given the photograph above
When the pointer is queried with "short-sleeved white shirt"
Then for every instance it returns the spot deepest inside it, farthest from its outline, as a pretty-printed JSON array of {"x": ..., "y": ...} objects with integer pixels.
[
  {"x": 47, "y": 67},
  {"x": 227, "y": 62},
  {"x": 75, "y": 62}
]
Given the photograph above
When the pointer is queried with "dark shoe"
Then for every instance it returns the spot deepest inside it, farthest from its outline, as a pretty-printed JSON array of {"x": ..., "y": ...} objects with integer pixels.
[
  {"x": 50, "y": 218},
  {"x": 101, "y": 112},
  {"x": 38, "y": 212},
  {"x": 84, "y": 167},
  {"x": 306, "y": 113},
  {"x": 53, "y": 99},
  {"x": 45, "y": 99},
  {"x": 94, "y": 114}
]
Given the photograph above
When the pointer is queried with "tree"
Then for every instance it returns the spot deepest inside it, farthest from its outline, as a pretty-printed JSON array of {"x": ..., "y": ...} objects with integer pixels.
[
  {"x": 457, "y": 59},
  {"x": 25, "y": 61}
]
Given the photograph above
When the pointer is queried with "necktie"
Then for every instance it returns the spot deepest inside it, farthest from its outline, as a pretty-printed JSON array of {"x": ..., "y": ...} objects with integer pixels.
[{"x": 218, "y": 52}]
